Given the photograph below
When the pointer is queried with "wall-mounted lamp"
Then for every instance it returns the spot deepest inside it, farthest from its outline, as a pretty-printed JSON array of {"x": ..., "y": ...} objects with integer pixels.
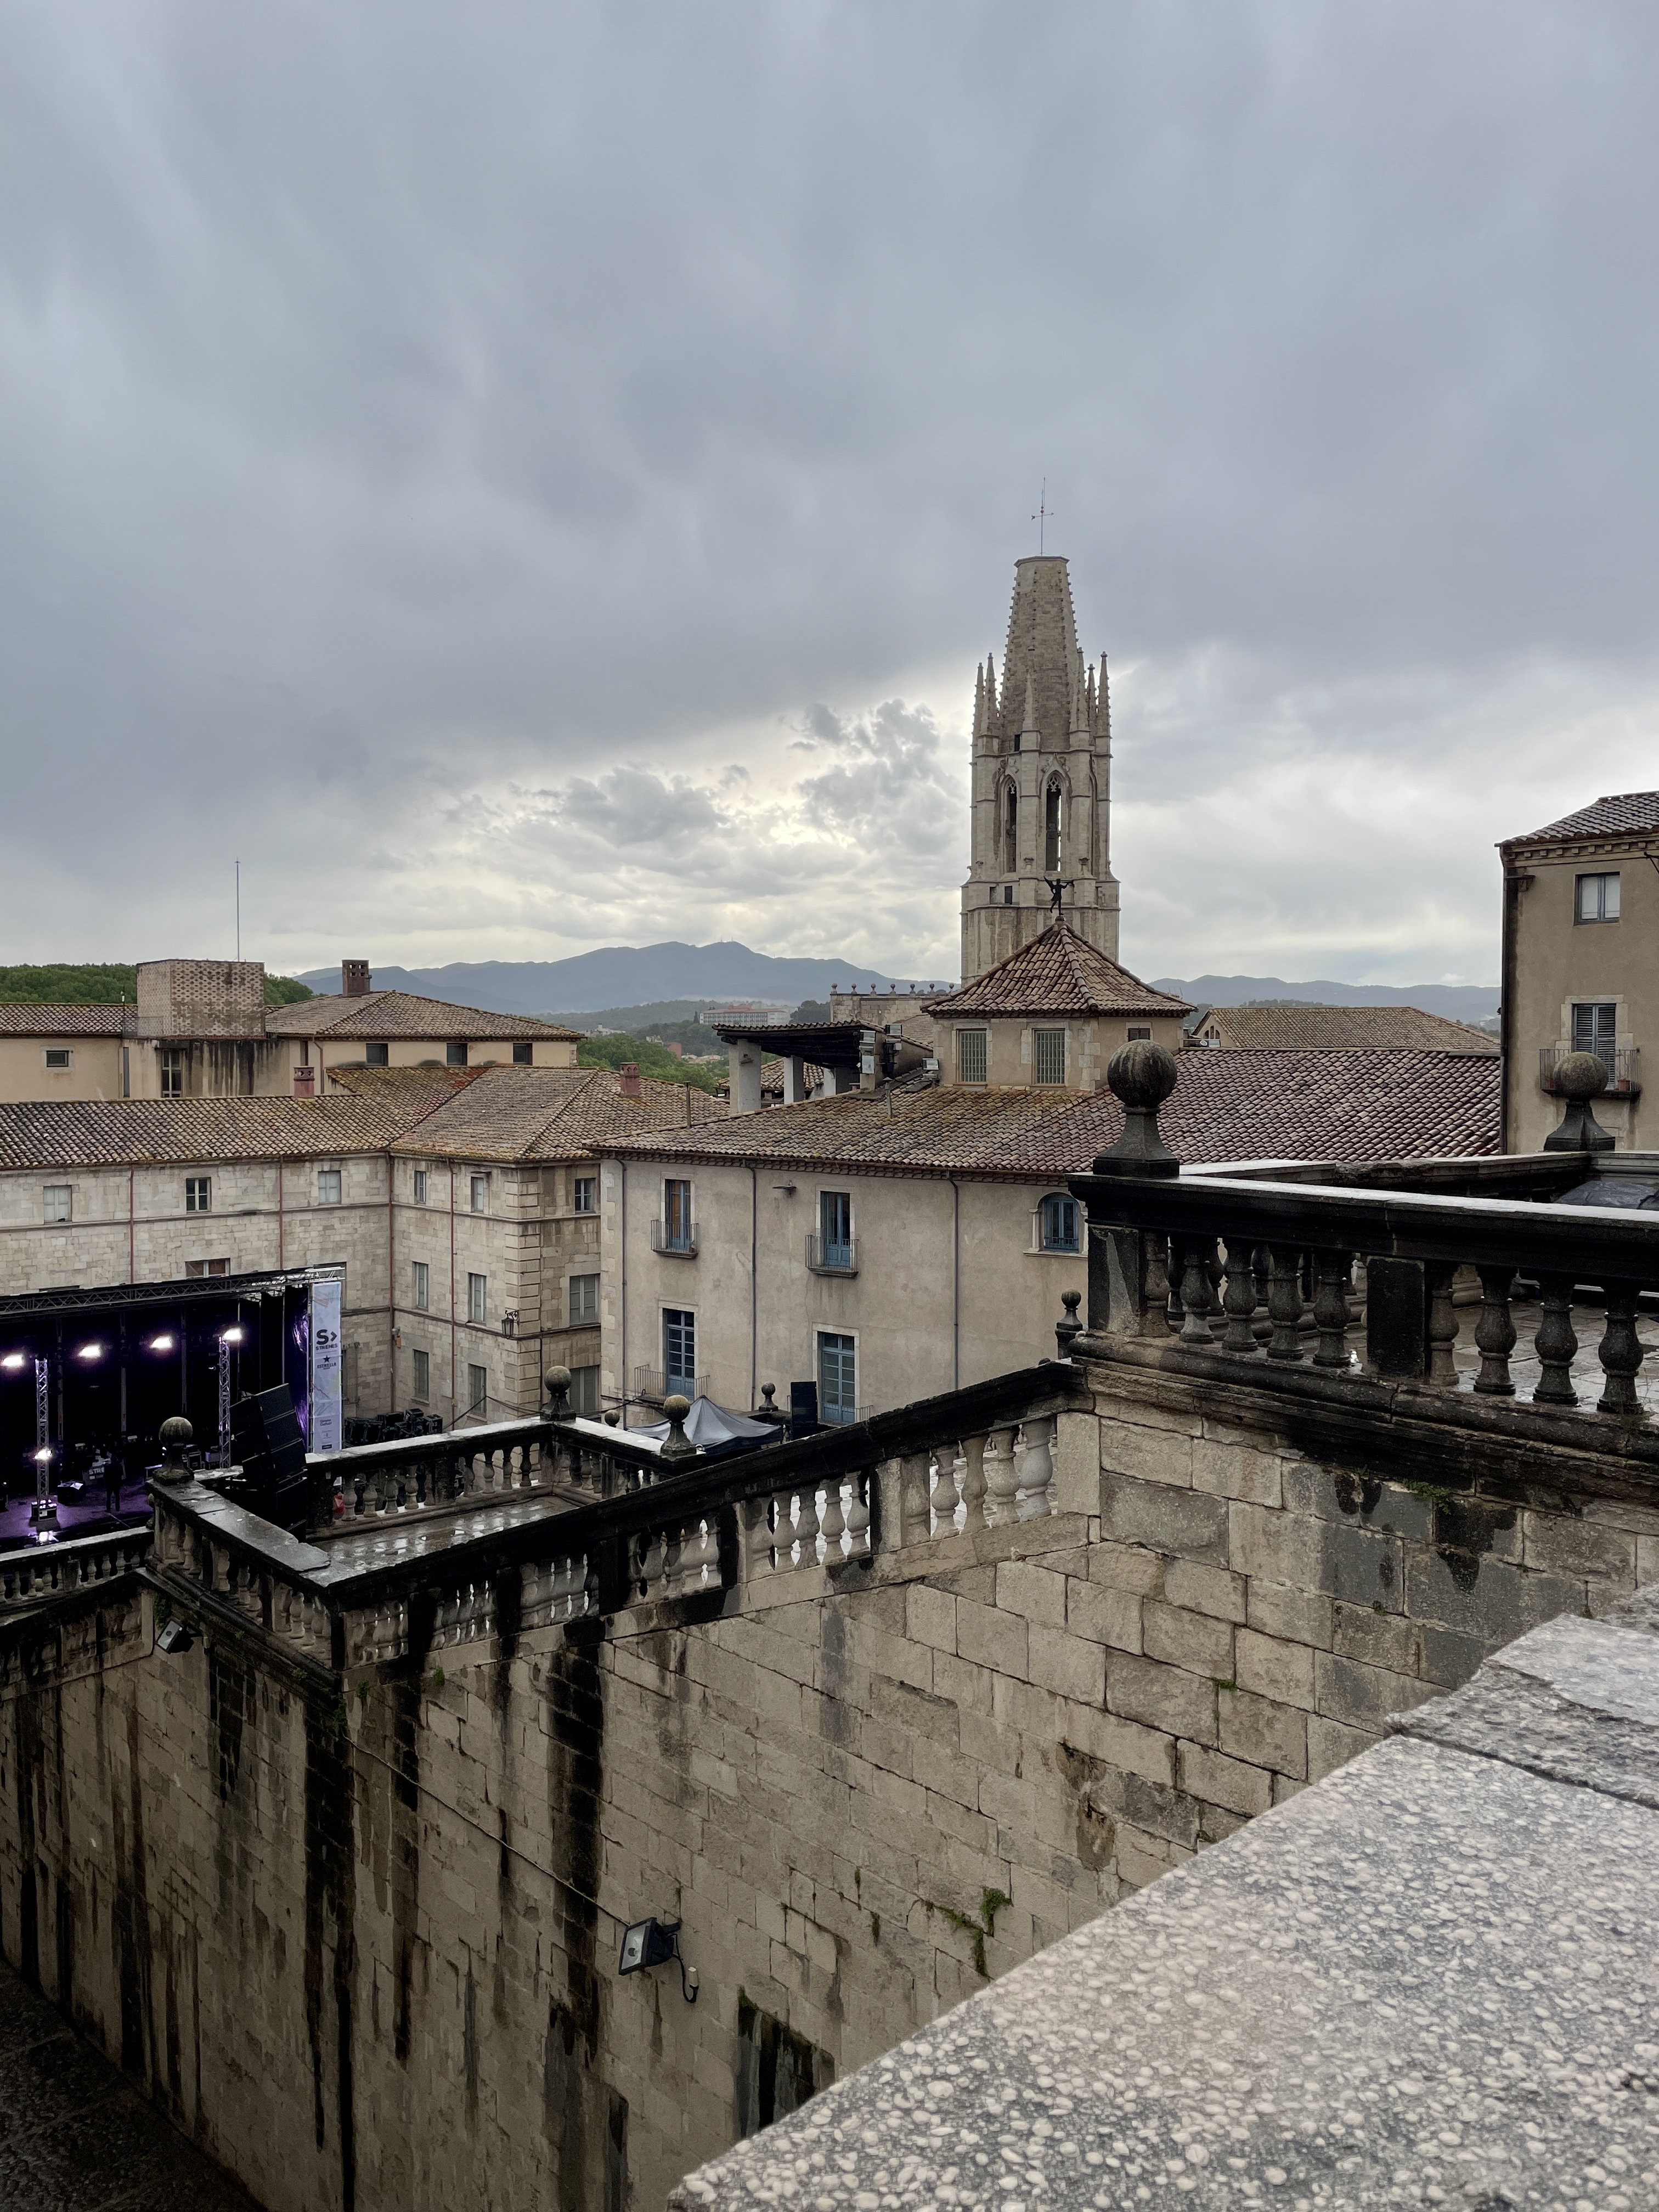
[
  {"x": 653, "y": 1943},
  {"x": 173, "y": 1637}
]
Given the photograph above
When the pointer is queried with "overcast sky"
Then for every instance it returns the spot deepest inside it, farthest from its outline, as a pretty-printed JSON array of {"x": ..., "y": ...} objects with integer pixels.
[{"x": 533, "y": 477}]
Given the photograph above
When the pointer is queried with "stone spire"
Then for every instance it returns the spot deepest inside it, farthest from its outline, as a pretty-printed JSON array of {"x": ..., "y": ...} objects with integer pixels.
[{"x": 1042, "y": 650}]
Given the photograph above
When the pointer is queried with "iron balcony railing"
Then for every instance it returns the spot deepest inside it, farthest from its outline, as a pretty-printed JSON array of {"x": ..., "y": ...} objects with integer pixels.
[
  {"x": 1624, "y": 1069},
  {"x": 654, "y": 1384},
  {"x": 679, "y": 1243},
  {"x": 832, "y": 1255}
]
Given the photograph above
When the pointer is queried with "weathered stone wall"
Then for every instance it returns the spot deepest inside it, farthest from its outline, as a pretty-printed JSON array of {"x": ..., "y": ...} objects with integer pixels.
[{"x": 360, "y": 1935}]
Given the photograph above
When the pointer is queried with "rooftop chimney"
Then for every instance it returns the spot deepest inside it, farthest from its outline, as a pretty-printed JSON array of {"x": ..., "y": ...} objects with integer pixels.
[
  {"x": 630, "y": 1072},
  {"x": 354, "y": 979}
]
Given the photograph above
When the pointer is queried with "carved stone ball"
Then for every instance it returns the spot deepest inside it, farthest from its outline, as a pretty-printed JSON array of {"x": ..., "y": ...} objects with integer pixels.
[
  {"x": 1581, "y": 1075},
  {"x": 1142, "y": 1074},
  {"x": 557, "y": 1379},
  {"x": 176, "y": 1434},
  {"x": 676, "y": 1407}
]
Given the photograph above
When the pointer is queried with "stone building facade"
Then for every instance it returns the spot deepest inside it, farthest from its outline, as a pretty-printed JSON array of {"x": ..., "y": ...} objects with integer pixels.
[
  {"x": 200, "y": 1029},
  {"x": 1041, "y": 781},
  {"x": 1581, "y": 963}
]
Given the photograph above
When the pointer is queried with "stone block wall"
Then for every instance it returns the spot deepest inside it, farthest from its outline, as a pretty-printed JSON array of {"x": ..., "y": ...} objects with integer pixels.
[{"x": 359, "y": 1934}]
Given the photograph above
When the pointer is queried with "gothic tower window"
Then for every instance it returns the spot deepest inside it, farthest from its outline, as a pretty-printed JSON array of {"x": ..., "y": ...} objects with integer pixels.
[
  {"x": 1051, "y": 842},
  {"x": 1011, "y": 831}
]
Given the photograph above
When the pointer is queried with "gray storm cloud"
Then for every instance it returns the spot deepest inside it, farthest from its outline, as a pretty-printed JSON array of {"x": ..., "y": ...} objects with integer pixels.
[{"x": 442, "y": 447}]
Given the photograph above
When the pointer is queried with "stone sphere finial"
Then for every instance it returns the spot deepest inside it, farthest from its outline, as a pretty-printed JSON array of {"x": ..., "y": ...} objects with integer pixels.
[
  {"x": 176, "y": 1436},
  {"x": 677, "y": 1444},
  {"x": 1142, "y": 1074},
  {"x": 1581, "y": 1075},
  {"x": 558, "y": 1392}
]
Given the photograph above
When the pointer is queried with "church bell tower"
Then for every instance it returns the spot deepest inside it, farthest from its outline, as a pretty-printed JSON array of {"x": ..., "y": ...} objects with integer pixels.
[{"x": 1041, "y": 781}]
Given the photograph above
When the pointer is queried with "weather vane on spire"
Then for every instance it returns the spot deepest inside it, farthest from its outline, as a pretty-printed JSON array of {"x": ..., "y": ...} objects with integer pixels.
[
  {"x": 1041, "y": 517},
  {"x": 1058, "y": 885}
]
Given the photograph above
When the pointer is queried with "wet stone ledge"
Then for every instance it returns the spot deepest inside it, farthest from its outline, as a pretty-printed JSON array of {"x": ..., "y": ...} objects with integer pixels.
[{"x": 1429, "y": 1980}]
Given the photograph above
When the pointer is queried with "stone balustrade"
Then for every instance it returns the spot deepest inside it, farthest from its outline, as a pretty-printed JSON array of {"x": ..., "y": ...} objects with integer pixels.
[
  {"x": 1279, "y": 1271},
  {"x": 48, "y": 1571},
  {"x": 411, "y": 1475}
]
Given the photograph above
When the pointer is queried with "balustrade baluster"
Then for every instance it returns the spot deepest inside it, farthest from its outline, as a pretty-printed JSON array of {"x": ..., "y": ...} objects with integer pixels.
[
  {"x": 1442, "y": 1325},
  {"x": 1621, "y": 1349},
  {"x": 1284, "y": 1303},
  {"x": 1555, "y": 1342},
  {"x": 807, "y": 1526},
  {"x": 834, "y": 1521},
  {"x": 942, "y": 1498},
  {"x": 760, "y": 1512},
  {"x": 1261, "y": 1269},
  {"x": 1196, "y": 1290},
  {"x": 1494, "y": 1333},
  {"x": 1174, "y": 1311},
  {"x": 857, "y": 1513},
  {"x": 973, "y": 1482},
  {"x": 1036, "y": 1467},
  {"x": 1331, "y": 1308},
  {"x": 651, "y": 1564},
  {"x": 1156, "y": 1248},
  {"x": 1239, "y": 1300},
  {"x": 912, "y": 1497},
  {"x": 1001, "y": 1477},
  {"x": 673, "y": 1557},
  {"x": 1215, "y": 1270}
]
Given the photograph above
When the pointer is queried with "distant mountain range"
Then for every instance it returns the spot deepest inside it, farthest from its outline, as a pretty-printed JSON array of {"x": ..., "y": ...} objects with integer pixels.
[
  {"x": 623, "y": 977},
  {"x": 1458, "y": 1002}
]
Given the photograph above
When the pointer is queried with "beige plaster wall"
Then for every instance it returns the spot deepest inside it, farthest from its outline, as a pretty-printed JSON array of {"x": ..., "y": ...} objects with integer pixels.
[
  {"x": 949, "y": 1288},
  {"x": 95, "y": 1070},
  {"x": 1089, "y": 1049},
  {"x": 1558, "y": 961}
]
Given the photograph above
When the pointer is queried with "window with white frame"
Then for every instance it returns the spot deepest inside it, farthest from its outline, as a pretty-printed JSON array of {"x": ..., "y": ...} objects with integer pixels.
[
  {"x": 481, "y": 1194},
  {"x": 1048, "y": 1052},
  {"x": 477, "y": 1298},
  {"x": 207, "y": 1267},
  {"x": 971, "y": 1054},
  {"x": 837, "y": 1378},
  {"x": 585, "y": 1194},
  {"x": 421, "y": 1372},
  {"x": 328, "y": 1186},
  {"x": 58, "y": 1058},
  {"x": 679, "y": 1350},
  {"x": 56, "y": 1201},
  {"x": 172, "y": 1072},
  {"x": 584, "y": 1304},
  {"x": 1057, "y": 1222},
  {"x": 198, "y": 1194},
  {"x": 421, "y": 1282},
  {"x": 477, "y": 1389},
  {"x": 420, "y": 1186},
  {"x": 1597, "y": 898}
]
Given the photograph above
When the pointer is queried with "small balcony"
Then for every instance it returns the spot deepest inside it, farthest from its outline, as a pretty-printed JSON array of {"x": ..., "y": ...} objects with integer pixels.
[
  {"x": 675, "y": 1243},
  {"x": 832, "y": 1255},
  {"x": 1624, "y": 1069},
  {"x": 652, "y": 1385}
]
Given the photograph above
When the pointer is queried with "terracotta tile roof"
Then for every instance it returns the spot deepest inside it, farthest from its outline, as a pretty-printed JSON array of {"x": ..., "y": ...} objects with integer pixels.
[
  {"x": 547, "y": 1113},
  {"x": 388, "y": 1014},
  {"x": 138, "y": 1132},
  {"x": 1058, "y": 973},
  {"x": 1241, "y": 1105},
  {"x": 1624, "y": 814},
  {"x": 51, "y": 1021},
  {"x": 1339, "y": 1029}
]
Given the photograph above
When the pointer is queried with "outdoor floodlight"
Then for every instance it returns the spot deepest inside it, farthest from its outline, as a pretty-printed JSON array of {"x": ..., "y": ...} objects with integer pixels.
[
  {"x": 173, "y": 1637},
  {"x": 42, "y": 1458},
  {"x": 231, "y": 1335},
  {"x": 15, "y": 1359},
  {"x": 160, "y": 1344},
  {"x": 653, "y": 1943},
  {"x": 90, "y": 1352}
]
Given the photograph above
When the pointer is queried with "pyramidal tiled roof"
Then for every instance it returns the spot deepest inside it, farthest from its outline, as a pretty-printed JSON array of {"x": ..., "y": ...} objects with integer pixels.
[
  {"x": 1623, "y": 814},
  {"x": 1058, "y": 973},
  {"x": 387, "y": 1014}
]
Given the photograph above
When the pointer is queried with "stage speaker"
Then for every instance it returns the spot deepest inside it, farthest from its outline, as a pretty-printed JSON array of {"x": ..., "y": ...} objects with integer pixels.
[{"x": 266, "y": 1439}]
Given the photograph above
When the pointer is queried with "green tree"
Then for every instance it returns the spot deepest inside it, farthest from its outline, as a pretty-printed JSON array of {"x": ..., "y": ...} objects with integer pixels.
[{"x": 655, "y": 1060}]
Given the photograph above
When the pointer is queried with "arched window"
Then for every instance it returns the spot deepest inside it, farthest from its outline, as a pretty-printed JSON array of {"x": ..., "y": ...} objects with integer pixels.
[
  {"x": 1052, "y": 840},
  {"x": 1011, "y": 831}
]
